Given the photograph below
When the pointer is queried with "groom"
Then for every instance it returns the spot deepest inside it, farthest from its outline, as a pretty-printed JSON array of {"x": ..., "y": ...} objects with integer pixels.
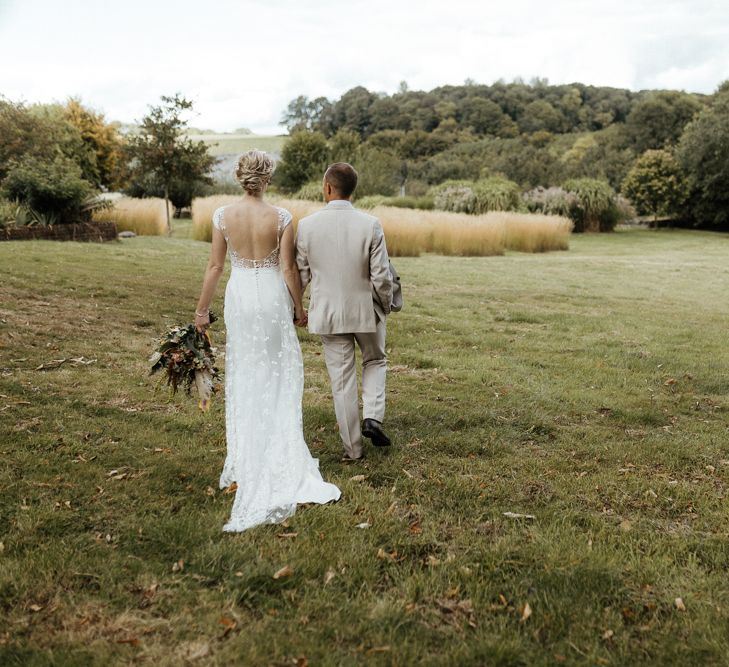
[{"x": 342, "y": 252}]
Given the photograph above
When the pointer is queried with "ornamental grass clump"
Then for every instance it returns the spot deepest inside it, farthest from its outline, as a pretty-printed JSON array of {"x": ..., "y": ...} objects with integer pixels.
[
  {"x": 496, "y": 194},
  {"x": 144, "y": 217}
]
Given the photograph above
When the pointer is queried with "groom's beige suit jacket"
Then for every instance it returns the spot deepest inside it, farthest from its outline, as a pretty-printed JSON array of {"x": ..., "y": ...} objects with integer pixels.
[{"x": 342, "y": 252}]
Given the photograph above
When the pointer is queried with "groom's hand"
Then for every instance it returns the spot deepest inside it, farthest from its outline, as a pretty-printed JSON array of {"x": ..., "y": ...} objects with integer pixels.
[{"x": 301, "y": 319}]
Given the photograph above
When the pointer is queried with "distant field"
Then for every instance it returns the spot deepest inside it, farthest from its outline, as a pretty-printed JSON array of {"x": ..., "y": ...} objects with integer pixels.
[{"x": 225, "y": 144}]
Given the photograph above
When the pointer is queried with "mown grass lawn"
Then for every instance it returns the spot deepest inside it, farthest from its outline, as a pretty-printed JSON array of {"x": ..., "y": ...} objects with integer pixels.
[{"x": 588, "y": 388}]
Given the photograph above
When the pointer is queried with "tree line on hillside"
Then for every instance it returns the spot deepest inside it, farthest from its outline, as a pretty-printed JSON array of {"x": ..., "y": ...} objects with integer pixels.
[
  {"x": 642, "y": 145},
  {"x": 581, "y": 151}
]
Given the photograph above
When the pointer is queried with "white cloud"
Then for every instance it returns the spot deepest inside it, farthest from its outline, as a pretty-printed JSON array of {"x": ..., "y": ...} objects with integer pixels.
[{"x": 242, "y": 62}]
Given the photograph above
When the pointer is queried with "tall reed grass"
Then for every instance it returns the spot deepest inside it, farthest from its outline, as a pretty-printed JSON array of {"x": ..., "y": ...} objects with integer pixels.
[
  {"x": 204, "y": 207},
  {"x": 410, "y": 232},
  {"x": 202, "y": 214},
  {"x": 535, "y": 232},
  {"x": 146, "y": 217}
]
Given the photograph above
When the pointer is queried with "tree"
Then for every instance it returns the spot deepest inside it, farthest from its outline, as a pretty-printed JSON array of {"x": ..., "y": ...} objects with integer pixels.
[
  {"x": 101, "y": 140},
  {"x": 702, "y": 152},
  {"x": 656, "y": 184},
  {"x": 305, "y": 114},
  {"x": 161, "y": 151},
  {"x": 540, "y": 115},
  {"x": 380, "y": 172},
  {"x": 352, "y": 110},
  {"x": 303, "y": 159},
  {"x": 343, "y": 146},
  {"x": 658, "y": 119},
  {"x": 482, "y": 116}
]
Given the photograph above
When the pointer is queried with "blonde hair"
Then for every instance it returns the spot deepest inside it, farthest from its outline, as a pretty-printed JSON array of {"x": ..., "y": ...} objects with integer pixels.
[{"x": 254, "y": 170}]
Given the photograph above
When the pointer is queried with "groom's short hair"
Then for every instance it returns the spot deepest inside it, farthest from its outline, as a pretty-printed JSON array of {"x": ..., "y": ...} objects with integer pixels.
[{"x": 342, "y": 177}]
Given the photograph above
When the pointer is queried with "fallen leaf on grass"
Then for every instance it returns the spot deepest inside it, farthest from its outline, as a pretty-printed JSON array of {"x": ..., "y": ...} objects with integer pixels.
[
  {"x": 526, "y": 612},
  {"x": 678, "y": 602},
  {"x": 358, "y": 478},
  {"x": 229, "y": 625},
  {"x": 626, "y": 525},
  {"x": 287, "y": 535},
  {"x": 516, "y": 515},
  {"x": 363, "y": 525},
  {"x": 284, "y": 572},
  {"x": 179, "y": 566},
  {"x": 132, "y": 641},
  {"x": 607, "y": 635},
  {"x": 329, "y": 576},
  {"x": 232, "y": 488},
  {"x": 35, "y": 608}
]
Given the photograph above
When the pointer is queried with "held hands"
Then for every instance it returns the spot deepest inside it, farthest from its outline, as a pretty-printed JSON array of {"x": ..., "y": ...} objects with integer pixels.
[{"x": 301, "y": 318}]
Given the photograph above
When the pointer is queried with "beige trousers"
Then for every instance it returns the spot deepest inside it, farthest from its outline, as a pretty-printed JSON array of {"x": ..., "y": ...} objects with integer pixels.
[{"x": 340, "y": 360}]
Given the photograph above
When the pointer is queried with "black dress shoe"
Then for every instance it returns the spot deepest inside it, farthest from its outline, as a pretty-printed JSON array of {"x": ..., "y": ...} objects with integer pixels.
[{"x": 372, "y": 429}]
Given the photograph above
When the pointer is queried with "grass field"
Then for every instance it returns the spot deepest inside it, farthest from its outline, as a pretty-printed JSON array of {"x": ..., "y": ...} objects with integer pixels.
[
  {"x": 588, "y": 389},
  {"x": 225, "y": 144}
]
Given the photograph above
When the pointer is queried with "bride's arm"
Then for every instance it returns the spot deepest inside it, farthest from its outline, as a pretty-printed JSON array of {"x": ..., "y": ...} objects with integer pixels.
[
  {"x": 210, "y": 282},
  {"x": 291, "y": 272}
]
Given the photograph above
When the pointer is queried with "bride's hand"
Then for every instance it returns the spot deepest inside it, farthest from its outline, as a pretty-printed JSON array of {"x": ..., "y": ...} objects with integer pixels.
[
  {"x": 301, "y": 319},
  {"x": 202, "y": 322}
]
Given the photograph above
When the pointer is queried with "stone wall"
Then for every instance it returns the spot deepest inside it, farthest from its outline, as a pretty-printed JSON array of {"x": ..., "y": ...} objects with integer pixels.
[{"x": 84, "y": 231}]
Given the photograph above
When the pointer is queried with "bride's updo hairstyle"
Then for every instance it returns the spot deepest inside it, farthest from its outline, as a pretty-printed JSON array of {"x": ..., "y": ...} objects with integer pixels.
[{"x": 254, "y": 171}]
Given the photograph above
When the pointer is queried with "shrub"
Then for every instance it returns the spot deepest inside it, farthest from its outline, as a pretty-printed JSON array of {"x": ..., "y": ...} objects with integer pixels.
[
  {"x": 8, "y": 212},
  {"x": 453, "y": 196},
  {"x": 595, "y": 209},
  {"x": 380, "y": 172},
  {"x": 311, "y": 191},
  {"x": 626, "y": 211},
  {"x": 54, "y": 190},
  {"x": 496, "y": 194},
  {"x": 146, "y": 217},
  {"x": 550, "y": 201},
  {"x": 303, "y": 159},
  {"x": 422, "y": 203},
  {"x": 371, "y": 201},
  {"x": 656, "y": 184}
]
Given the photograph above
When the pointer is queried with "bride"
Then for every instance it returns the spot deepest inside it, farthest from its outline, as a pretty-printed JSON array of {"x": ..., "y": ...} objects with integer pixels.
[{"x": 264, "y": 377}]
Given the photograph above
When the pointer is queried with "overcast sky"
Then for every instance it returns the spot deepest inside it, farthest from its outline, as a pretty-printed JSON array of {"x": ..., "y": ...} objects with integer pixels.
[{"x": 242, "y": 62}]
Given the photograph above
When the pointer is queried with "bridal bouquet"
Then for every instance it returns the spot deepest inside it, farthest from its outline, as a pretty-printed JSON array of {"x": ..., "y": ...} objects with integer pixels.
[{"x": 188, "y": 357}]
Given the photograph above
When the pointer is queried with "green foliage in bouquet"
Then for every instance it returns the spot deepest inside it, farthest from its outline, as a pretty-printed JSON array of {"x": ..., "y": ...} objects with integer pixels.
[{"x": 187, "y": 356}]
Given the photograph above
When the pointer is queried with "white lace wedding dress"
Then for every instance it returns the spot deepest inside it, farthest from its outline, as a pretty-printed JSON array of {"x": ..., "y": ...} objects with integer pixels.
[{"x": 264, "y": 382}]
